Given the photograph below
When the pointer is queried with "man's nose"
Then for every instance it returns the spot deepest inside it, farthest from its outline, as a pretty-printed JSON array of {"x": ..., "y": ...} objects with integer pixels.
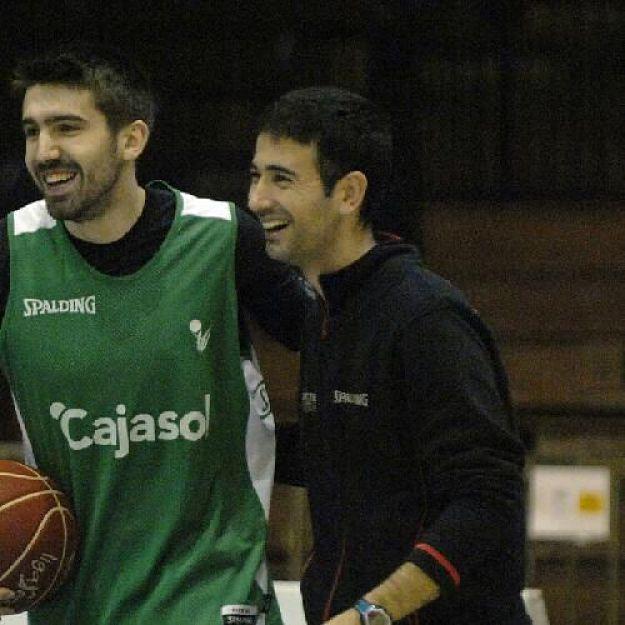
[
  {"x": 47, "y": 148},
  {"x": 258, "y": 198}
]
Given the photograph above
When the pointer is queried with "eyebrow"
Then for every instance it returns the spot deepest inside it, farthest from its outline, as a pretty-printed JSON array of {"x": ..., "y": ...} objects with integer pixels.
[
  {"x": 55, "y": 119},
  {"x": 276, "y": 169}
]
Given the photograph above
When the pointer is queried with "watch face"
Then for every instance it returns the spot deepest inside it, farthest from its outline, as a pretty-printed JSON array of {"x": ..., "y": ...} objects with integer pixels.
[
  {"x": 377, "y": 616},
  {"x": 371, "y": 614}
]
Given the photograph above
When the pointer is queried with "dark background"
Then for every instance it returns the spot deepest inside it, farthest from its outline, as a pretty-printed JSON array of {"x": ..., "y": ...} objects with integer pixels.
[{"x": 490, "y": 100}]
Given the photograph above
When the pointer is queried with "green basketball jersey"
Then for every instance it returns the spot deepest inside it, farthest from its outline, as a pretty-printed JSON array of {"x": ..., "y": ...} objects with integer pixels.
[{"x": 134, "y": 395}]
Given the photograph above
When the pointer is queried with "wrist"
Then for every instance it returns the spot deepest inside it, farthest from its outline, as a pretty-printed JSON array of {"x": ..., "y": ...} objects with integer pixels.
[
  {"x": 372, "y": 613},
  {"x": 408, "y": 589}
]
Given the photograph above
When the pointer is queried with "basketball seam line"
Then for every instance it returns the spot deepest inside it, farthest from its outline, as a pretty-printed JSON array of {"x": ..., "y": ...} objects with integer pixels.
[
  {"x": 28, "y": 496},
  {"x": 21, "y": 476},
  {"x": 19, "y": 559},
  {"x": 61, "y": 566}
]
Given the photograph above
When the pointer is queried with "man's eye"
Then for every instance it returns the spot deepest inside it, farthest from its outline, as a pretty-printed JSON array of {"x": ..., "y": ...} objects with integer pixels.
[
  {"x": 67, "y": 128},
  {"x": 281, "y": 179},
  {"x": 30, "y": 131}
]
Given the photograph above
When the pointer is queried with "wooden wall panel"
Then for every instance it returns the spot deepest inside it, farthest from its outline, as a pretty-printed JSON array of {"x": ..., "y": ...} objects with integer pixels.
[
  {"x": 499, "y": 240},
  {"x": 589, "y": 375},
  {"x": 290, "y": 533},
  {"x": 551, "y": 309},
  {"x": 549, "y": 279}
]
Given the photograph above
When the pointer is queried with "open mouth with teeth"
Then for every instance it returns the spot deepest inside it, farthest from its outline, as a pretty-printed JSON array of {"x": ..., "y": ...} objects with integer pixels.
[
  {"x": 57, "y": 182},
  {"x": 273, "y": 226}
]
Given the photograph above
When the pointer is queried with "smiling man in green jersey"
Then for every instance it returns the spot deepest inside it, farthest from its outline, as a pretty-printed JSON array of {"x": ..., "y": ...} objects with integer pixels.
[{"x": 134, "y": 381}]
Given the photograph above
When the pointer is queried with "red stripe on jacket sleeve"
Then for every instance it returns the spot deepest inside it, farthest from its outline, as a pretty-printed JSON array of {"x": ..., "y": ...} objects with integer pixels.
[{"x": 442, "y": 560}]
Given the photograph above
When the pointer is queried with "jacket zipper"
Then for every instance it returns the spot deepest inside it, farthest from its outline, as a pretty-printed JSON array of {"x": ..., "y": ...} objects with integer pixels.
[
  {"x": 324, "y": 334},
  {"x": 325, "y": 318}
]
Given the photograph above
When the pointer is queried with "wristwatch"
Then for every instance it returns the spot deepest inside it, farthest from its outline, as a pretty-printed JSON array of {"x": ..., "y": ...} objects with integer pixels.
[{"x": 372, "y": 614}]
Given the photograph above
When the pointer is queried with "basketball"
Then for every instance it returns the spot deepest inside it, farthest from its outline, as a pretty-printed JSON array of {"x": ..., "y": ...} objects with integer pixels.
[{"x": 37, "y": 535}]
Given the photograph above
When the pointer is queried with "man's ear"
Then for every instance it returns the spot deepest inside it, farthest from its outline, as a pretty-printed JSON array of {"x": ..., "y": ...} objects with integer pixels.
[
  {"x": 351, "y": 189},
  {"x": 132, "y": 140}
]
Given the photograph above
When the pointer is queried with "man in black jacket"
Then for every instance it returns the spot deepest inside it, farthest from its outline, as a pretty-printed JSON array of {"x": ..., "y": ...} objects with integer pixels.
[{"x": 406, "y": 442}]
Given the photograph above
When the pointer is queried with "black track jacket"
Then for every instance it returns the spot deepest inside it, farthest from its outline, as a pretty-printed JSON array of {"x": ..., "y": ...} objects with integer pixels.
[{"x": 407, "y": 445}]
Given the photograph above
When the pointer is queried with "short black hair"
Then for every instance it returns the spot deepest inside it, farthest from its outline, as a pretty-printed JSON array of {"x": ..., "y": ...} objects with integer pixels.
[
  {"x": 350, "y": 133},
  {"x": 121, "y": 90}
]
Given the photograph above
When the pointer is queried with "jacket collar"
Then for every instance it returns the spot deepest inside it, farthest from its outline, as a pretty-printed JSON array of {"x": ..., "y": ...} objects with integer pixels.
[{"x": 337, "y": 287}]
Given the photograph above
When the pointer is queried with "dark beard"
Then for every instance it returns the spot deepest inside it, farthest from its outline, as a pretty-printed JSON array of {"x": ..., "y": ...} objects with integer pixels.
[{"x": 86, "y": 208}]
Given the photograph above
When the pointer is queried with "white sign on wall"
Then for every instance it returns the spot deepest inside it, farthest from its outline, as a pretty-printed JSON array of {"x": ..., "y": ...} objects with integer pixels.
[{"x": 569, "y": 503}]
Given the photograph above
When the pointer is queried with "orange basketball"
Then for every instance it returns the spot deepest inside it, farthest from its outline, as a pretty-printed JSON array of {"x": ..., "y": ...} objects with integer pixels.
[{"x": 37, "y": 535}]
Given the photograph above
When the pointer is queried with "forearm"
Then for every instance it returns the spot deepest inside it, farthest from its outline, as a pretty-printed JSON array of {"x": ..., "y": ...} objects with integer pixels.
[{"x": 407, "y": 589}]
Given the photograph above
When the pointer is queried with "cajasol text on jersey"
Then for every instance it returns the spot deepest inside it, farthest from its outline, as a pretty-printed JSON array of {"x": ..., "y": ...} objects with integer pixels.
[{"x": 122, "y": 431}]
